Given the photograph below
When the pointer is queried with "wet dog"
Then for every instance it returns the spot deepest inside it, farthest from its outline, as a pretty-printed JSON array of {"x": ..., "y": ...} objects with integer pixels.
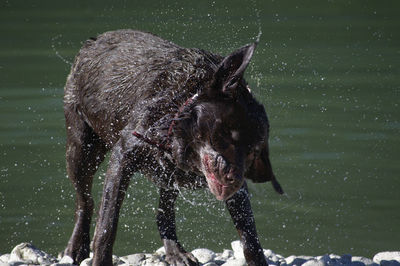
[{"x": 182, "y": 117}]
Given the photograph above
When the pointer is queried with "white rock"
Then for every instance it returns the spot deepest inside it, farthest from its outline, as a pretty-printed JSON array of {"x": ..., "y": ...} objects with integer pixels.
[
  {"x": 274, "y": 258},
  {"x": 29, "y": 254},
  {"x": 268, "y": 253},
  {"x": 66, "y": 260},
  {"x": 160, "y": 251},
  {"x": 334, "y": 256},
  {"x": 366, "y": 261},
  {"x": 203, "y": 255},
  {"x": 116, "y": 260},
  {"x": 226, "y": 254},
  {"x": 387, "y": 256},
  {"x": 235, "y": 262},
  {"x": 313, "y": 262},
  {"x": 297, "y": 260},
  {"x": 134, "y": 259},
  {"x": 237, "y": 249},
  {"x": 86, "y": 262},
  {"x": 4, "y": 258}
]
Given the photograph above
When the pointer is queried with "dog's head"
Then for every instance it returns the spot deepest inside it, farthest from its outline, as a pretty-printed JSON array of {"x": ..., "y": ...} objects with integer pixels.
[{"x": 223, "y": 133}]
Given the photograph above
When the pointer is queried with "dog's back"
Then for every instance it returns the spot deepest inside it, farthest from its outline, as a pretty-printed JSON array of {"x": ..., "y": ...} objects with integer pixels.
[{"x": 117, "y": 75}]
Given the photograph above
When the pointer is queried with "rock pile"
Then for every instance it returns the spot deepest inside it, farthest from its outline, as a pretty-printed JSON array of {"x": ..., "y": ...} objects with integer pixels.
[{"x": 26, "y": 254}]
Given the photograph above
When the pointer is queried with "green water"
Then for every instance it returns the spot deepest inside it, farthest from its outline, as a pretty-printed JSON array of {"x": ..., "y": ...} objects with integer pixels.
[{"x": 327, "y": 72}]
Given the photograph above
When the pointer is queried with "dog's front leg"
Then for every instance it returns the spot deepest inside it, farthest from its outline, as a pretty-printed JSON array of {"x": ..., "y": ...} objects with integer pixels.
[
  {"x": 116, "y": 183},
  {"x": 240, "y": 209},
  {"x": 175, "y": 254}
]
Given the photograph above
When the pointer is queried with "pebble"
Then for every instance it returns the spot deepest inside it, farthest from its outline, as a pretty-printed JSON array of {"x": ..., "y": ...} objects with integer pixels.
[
  {"x": 386, "y": 257},
  {"x": 134, "y": 259},
  {"x": 237, "y": 249},
  {"x": 203, "y": 255},
  {"x": 365, "y": 261},
  {"x": 314, "y": 262},
  {"x": 26, "y": 254}
]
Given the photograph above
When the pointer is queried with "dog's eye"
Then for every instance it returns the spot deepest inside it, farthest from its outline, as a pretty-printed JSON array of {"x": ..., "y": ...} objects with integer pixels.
[{"x": 235, "y": 135}]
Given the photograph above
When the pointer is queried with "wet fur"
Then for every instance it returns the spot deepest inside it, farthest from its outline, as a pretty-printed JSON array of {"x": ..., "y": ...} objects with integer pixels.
[{"x": 128, "y": 81}]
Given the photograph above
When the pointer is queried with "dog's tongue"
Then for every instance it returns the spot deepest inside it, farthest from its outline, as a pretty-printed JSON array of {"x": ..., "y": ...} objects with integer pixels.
[{"x": 216, "y": 188}]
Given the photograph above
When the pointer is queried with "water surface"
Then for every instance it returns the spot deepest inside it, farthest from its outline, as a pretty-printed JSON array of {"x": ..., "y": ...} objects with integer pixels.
[{"x": 327, "y": 72}]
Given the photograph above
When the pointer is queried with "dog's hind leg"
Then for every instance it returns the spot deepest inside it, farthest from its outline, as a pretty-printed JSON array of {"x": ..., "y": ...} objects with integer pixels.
[
  {"x": 84, "y": 153},
  {"x": 175, "y": 254}
]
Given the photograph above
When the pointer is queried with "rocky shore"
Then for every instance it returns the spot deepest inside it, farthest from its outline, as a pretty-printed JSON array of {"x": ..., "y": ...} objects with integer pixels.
[{"x": 27, "y": 254}]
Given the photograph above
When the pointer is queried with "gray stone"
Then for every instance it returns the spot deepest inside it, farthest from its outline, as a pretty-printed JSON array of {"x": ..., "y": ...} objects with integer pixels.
[
  {"x": 357, "y": 263},
  {"x": 203, "y": 255},
  {"x": 345, "y": 259},
  {"x": 154, "y": 260},
  {"x": 326, "y": 259},
  {"x": 17, "y": 263},
  {"x": 29, "y": 254},
  {"x": 390, "y": 263}
]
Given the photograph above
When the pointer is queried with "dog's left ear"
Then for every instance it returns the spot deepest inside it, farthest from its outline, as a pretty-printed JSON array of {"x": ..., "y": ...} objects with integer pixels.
[{"x": 230, "y": 71}]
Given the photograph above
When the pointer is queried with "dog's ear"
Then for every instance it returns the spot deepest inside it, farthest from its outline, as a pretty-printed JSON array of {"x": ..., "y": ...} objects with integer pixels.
[
  {"x": 230, "y": 71},
  {"x": 261, "y": 171}
]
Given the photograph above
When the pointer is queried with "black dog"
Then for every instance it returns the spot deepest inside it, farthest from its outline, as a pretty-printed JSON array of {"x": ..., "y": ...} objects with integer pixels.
[{"x": 182, "y": 117}]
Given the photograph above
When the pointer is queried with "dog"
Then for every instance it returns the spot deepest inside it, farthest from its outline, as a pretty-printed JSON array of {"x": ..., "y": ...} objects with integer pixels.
[{"x": 181, "y": 117}]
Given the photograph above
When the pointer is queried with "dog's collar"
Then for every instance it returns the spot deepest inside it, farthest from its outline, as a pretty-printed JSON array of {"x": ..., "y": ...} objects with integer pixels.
[{"x": 166, "y": 147}]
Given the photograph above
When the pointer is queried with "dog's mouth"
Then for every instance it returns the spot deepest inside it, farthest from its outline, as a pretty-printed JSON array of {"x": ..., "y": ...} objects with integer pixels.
[{"x": 222, "y": 183}]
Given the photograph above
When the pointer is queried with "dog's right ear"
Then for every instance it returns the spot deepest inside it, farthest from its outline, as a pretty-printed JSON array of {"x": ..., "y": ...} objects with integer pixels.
[{"x": 231, "y": 70}]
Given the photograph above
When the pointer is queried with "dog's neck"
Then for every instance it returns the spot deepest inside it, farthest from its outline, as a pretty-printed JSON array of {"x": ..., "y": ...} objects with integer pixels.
[
  {"x": 177, "y": 114},
  {"x": 165, "y": 145}
]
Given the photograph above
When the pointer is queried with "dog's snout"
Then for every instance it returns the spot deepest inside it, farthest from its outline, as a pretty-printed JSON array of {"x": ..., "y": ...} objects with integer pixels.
[{"x": 233, "y": 177}]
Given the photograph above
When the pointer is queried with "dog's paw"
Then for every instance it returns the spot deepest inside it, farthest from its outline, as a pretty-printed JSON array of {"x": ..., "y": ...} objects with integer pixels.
[
  {"x": 175, "y": 255},
  {"x": 181, "y": 259}
]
